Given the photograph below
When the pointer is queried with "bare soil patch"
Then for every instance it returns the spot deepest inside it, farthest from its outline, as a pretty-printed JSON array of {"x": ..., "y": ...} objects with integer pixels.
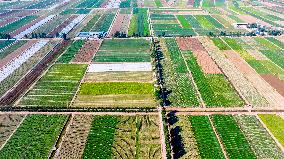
[{"x": 274, "y": 82}]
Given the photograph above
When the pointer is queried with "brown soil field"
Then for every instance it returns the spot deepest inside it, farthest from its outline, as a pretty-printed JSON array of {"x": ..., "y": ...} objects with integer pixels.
[
  {"x": 73, "y": 142},
  {"x": 120, "y": 24},
  {"x": 235, "y": 59},
  {"x": 17, "y": 52},
  {"x": 251, "y": 19},
  {"x": 87, "y": 52},
  {"x": 9, "y": 122},
  {"x": 207, "y": 64},
  {"x": 274, "y": 82}
]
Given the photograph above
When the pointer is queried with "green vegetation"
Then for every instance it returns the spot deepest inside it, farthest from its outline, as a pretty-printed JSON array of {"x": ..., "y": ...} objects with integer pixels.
[
  {"x": 56, "y": 88},
  {"x": 264, "y": 42},
  {"x": 206, "y": 139},
  {"x": 35, "y": 137},
  {"x": 158, "y": 3},
  {"x": 233, "y": 139},
  {"x": 215, "y": 90},
  {"x": 183, "y": 21},
  {"x": 176, "y": 76},
  {"x": 104, "y": 23},
  {"x": 275, "y": 56},
  {"x": 220, "y": 44},
  {"x": 101, "y": 137},
  {"x": 204, "y": 22},
  {"x": 11, "y": 48},
  {"x": 275, "y": 124},
  {"x": 90, "y": 24},
  {"x": 276, "y": 42},
  {"x": 124, "y": 50},
  {"x": 139, "y": 25},
  {"x": 260, "y": 140},
  {"x": 103, "y": 88},
  {"x": 17, "y": 24},
  {"x": 69, "y": 54}
]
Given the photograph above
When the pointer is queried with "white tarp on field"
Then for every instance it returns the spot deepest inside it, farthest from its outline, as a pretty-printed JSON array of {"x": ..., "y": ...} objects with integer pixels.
[
  {"x": 34, "y": 27},
  {"x": 9, "y": 68},
  {"x": 70, "y": 26},
  {"x": 108, "y": 67}
]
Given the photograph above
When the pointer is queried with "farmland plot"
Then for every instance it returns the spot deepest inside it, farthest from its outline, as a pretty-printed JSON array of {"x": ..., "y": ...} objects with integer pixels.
[
  {"x": 214, "y": 88},
  {"x": 177, "y": 79},
  {"x": 206, "y": 139},
  {"x": 74, "y": 141},
  {"x": 120, "y": 25},
  {"x": 55, "y": 32},
  {"x": 275, "y": 124},
  {"x": 124, "y": 50},
  {"x": 13, "y": 26},
  {"x": 126, "y": 137},
  {"x": 36, "y": 135},
  {"x": 129, "y": 76},
  {"x": 139, "y": 24},
  {"x": 19, "y": 60},
  {"x": 87, "y": 51},
  {"x": 187, "y": 137},
  {"x": 260, "y": 140},
  {"x": 9, "y": 51},
  {"x": 18, "y": 73},
  {"x": 104, "y": 23},
  {"x": 51, "y": 25},
  {"x": 241, "y": 84},
  {"x": 70, "y": 53},
  {"x": 234, "y": 141},
  {"x": 9, "y": 123},
  {"x": 168, "y": 25},
  {"x": 115, "y": 95},
  {"x": 56, "y": 88},
  {"x": 272, "y": 96}
]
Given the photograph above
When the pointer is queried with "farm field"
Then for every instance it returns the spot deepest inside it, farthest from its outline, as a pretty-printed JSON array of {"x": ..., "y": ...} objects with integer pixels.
[{"x": 142, "y": 79}]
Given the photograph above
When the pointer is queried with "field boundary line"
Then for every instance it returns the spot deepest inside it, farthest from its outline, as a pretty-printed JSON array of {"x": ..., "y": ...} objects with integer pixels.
[
  {"x": 270, "y": 101},
  {"x": 61, "y": 137},
  {"x": 226, "y": 76},
  {"x": 273, "y": 137},
  {"x": 113, "y": 21},
  {"x": 191, "y": 77},
  {"x": 41, "y": 75},
  {"x": 218, "y": 138},
  {"x": 162, "y": 134},
  {"x": 13, "y": 132}
]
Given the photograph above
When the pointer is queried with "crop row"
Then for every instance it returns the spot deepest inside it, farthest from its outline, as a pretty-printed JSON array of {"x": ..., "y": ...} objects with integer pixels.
[
  {"x": 17, "y": 24},
  {"x": 139, "y": 25},
  {"x": 36, "y": 135},
  {"x": 56, "y": 88},
  {"x": 124, "y": 50},
  {"x": 122, "y": 136},
  {"x": 240, "y": 136},
  {"x": 19, "y": 60},
  {"x": 176, "y": 76},
  {"x": 238, "y": 80},
  {"x": 215, "y": 90},
  {"x": 47, "y": 28},
  {"x": 90, "y": 4},
  {"x": 18, "y": 73},
  {"x": 70, "y": 53},
  {"x": 104, "y": 23}
]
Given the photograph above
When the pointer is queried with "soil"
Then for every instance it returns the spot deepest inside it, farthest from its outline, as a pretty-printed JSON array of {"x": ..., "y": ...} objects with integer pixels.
[
  {"x": 87, "y": 52},
  {"x": 16, "y": 53},
  {"x": 274, "y": 82},
  {"x": 120, "y": 24}
]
